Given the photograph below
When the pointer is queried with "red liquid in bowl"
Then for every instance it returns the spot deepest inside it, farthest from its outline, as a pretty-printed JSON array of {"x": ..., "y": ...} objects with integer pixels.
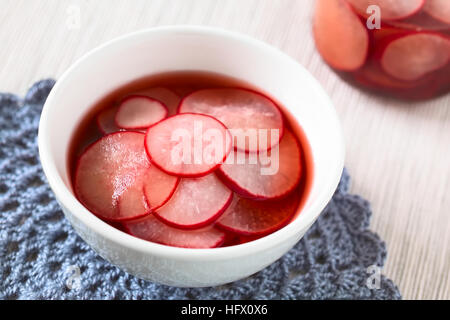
[
  {"x": 407, "y": 57},
  {"x": 152, "y": 206}
]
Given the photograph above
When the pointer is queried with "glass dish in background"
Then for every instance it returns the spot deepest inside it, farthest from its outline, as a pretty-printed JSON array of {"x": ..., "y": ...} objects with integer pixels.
[{"x": 407, "y": 57}]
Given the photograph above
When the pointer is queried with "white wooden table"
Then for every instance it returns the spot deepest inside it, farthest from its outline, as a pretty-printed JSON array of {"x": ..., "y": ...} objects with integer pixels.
[{"x": 397, "y": 153}]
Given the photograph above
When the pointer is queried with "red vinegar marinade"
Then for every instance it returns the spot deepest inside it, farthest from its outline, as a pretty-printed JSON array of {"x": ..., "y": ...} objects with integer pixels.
[{"x": 171, "y": 88}]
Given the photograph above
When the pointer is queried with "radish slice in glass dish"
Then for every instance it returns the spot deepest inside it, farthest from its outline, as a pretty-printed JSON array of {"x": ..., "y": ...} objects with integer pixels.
[{"x": 394, "y": 47}]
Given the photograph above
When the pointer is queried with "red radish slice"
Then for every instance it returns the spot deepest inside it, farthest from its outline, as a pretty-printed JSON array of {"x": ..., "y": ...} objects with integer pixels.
[
  {"x": 390, "y": 9},
  {"x": 158, "y": 187},
  {"x": 340, "y": 36},
  {"x": 269, "y": 176},
  {"x": 438, "y": 9},
  {"x": 196, "y": 203},
  {"x": 188, "y": 145},
  {"x": 412, "y": 56},
  {"x": 169, "y": 98},
  {"x": 105, "y": 121},
  {"x": 242, "y": 111},
  {"x": 250, "y": 217},
  {"x": 151, "y": 229},
  {"x": 139, "y": 112},
  {"x": 107, "y": 170}
]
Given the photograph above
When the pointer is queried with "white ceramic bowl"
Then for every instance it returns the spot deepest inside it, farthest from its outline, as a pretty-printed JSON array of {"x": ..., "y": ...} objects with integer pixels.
[{"x": 189, "y": 48}]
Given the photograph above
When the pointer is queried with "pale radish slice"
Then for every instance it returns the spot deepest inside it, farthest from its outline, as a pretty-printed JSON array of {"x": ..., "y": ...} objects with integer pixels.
[
  {"x": 438, "y": 9},
  {"x": 250, "y": 217},
  {"x": 269, "y": 176},
  {"x": 390, "y": 9},
  {"x": 151, "y": 229},
  {"x": 412, "y": 56},
  {"x": 151, "y": 190},
  {"x": 188, "y": 145},
  {"x": 244, "y": 112},
  {"x": 158, "y": 187},
  {"x": 132, "y": 202},
  {"x": 105, "y": 121},
  {"x": 196, "y": 203},
  {"x": 139, "y": 112},
  {"x": 340, "y": 36},
  {"x": 107, "y": 169},
  {"x": 169, "y": 98}
]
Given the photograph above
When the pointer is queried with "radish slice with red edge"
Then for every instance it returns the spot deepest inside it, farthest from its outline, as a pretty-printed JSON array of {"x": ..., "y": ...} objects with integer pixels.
[
  {"x": 242, "y": 111},
  {"x": 390, "y": 9},
  {"x": 438, "y": 9},
  {"x": 412, "y": 56},
  {"x": 152, "y": 190},
  {"x": 139, "y": 112},
  {"x": 340, "y": 36},
  {"x": 188, "y": 145},
  {"x": 269, "y": 176},
  {"x": 158, "y": 187},
  {"x": 132, "y": 202},
  {"x": 169, "y": 98},
  {"x": 196, "y": 203},
  {"x": 151, "y": 229},
  {"x": 249, "y": 217},
  {"x": 105, "y": 121},
  {"x": 107, "y": 170}
]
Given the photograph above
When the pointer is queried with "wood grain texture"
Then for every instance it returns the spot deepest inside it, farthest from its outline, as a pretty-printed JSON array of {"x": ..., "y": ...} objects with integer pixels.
[{"x": 398, "y": 153}]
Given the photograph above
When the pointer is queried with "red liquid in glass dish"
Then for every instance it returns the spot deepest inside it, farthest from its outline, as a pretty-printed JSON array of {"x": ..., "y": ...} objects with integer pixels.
[
  {"x": 407, "y": 57},
  {"x": 191, "y": 159}
]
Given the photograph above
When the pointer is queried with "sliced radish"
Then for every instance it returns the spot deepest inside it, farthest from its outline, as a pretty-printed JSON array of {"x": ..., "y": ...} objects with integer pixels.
[
  {"x": 271, "y": 175},
  {"x": 105, "y": 120},
  {"x": 438, "y": 9},
  {"x": 188, "y": 145},
  {"x": 139, "y": 112},
  {"x": 150, "y": 191},
  {"x": 169, "y": 98},
  {"x": 250, "y": 217},
  {"x": 108, "y": 170},
  {"x": 412, "y": 56},
  {"x": 158, "y": 187},
  {"x": 196, "y": 203},
  {"x": 151, "y": 229},
  {"x": 132, "y": 202},
  {"x": 390, "y": 9},
  {"x": 242, "y": 111},
  {"x": 340, "y": 36}
]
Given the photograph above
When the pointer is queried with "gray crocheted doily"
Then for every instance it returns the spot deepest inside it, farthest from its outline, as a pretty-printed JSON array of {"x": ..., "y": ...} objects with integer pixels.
[{"x": 38, "y": 246}]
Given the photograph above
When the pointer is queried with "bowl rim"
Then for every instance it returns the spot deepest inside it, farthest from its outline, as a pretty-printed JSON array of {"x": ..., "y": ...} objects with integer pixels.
[{"x": 68, "y": 200}]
